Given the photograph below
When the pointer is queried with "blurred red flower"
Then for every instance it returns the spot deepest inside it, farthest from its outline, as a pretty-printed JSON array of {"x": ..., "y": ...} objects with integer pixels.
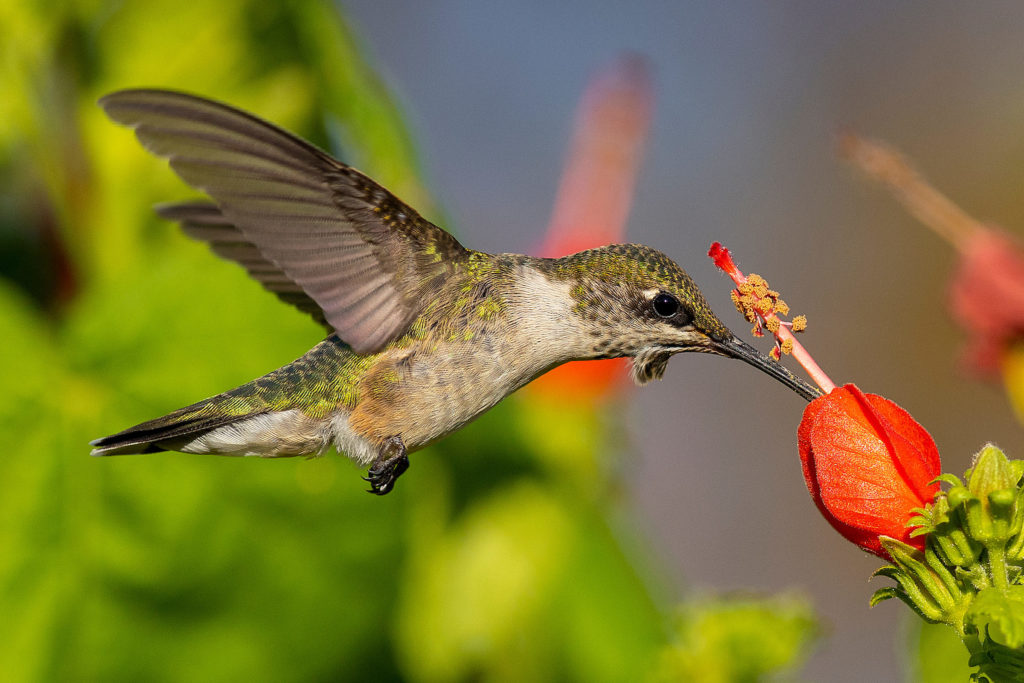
[
  {"x": 867, "y": 465},
  {"x": 986, "y": 295},
  {"x": 595, "y": 194},
  {"x": 987, "y": 289}
]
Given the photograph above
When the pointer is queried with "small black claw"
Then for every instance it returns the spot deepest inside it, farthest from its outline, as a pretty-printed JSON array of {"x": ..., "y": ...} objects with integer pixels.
[{"x": 388, "y": 467}]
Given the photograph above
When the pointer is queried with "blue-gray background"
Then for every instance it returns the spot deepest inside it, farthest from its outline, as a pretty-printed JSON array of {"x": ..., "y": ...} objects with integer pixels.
[{"x": 749, "y": 98}]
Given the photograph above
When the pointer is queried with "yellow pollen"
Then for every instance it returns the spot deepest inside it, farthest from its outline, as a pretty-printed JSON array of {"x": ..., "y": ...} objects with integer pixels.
[
  {"x": 773, "y": 325},
  {"x": 781, "y": 307},
  {"x": 787, "y": 346},
  {"x": 800, "y": 323},
  {"x": 774, "y": 353}
]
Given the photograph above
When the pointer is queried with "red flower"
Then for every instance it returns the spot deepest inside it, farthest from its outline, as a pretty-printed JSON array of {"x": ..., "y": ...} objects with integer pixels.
[
  {"x": 867, "y": 465},
  {"x": 986, "y": 295}
]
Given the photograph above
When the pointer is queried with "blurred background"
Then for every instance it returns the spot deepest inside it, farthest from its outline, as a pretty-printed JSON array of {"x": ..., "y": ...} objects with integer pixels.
[{"x": 655, "y": 533}]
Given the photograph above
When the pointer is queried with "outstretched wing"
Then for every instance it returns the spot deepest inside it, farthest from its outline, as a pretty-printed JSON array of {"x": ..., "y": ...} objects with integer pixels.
[
  {"x": 367, "y": 260},
  {"x": 204, "y": 221}
]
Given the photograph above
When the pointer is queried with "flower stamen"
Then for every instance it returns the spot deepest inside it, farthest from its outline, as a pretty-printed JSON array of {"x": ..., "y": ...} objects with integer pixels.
[{"x": 762, "y": 307}]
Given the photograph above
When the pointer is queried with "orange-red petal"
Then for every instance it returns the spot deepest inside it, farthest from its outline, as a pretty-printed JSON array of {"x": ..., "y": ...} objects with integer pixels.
[{"x": 867, "y": 465}]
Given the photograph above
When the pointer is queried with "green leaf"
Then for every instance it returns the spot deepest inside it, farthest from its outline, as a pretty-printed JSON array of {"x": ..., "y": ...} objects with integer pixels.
[{"x": 1000, "y": 614}]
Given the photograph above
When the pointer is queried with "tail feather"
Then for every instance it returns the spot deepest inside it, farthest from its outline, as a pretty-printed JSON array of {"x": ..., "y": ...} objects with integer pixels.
[
  {"x": 287, "y": 412},
  {"x": 165, "y": 433}
]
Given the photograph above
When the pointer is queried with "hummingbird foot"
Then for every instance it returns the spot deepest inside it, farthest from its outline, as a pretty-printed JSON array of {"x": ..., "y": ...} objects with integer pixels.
[{"x": 389, "y": 466}]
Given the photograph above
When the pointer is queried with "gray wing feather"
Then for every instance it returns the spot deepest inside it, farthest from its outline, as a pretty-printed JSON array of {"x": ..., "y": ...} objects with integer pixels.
[
  {"x": 204, "y": 221},
  {"x": 349, "y": 247}
]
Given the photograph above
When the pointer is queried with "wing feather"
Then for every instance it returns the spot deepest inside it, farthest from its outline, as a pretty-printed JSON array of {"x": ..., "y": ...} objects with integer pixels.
[
  {"x": 203, "y": 221},
  {"x": 319, "y": 234}
]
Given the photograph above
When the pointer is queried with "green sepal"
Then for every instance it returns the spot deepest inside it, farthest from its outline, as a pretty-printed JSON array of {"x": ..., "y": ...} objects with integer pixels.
[
  {"x": 916, "y": 579},
  {"x": 955, "y": 547},
  {"x": 883, "y": 594},
  {"x": 914, "y": 564},
  {"x": 934, "y": 563},
  {"x": 1015, "y": 549},
  {"x": 946, "y": 530},
  {"x": 923, "y": 524},
  {"x": 888, "y": 571},
  {"x": 947, "y": 478}
]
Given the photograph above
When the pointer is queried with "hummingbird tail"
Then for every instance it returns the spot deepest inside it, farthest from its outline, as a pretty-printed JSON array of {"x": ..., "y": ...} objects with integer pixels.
[
  {"x": 168, "y": 433},
  {"x": 288, "y": 412},
  {"x": 224, "y": 425}
]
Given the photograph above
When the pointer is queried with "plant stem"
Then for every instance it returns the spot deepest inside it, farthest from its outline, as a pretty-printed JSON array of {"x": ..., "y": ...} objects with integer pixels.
[{"x": 997, "y": 561}]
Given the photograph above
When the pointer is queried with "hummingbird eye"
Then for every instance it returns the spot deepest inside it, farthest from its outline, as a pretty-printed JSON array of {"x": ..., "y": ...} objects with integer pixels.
[{"x": 665, "y": 305}]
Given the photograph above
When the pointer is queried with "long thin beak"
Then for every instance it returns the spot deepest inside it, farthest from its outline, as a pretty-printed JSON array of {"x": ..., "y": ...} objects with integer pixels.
[{"x": 736, "y": 348}]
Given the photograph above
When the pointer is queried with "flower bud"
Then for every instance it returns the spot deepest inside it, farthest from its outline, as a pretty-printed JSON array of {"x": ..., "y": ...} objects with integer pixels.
[{"x": 868, "y": 466}]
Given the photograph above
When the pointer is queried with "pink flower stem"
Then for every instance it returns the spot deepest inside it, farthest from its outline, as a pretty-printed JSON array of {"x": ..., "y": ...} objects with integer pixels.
[{"x": 808, "y": 363}]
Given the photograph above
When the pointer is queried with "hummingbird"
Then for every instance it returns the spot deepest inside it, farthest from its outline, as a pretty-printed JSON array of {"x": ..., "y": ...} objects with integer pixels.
[{"x": 424, "y": 334}]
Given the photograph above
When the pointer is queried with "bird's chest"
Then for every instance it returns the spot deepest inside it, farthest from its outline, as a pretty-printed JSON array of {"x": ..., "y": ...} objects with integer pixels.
[
  {"x": 429, "y": 390},
  {"x": 466, "y": 360}
]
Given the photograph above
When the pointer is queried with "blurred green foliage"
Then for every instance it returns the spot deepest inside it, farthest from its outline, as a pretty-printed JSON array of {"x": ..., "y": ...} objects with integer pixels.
[
  {"x": 760, "y": 637},
  {"x": 504, "y": 558},
  {"x": 937, "y": 654}
]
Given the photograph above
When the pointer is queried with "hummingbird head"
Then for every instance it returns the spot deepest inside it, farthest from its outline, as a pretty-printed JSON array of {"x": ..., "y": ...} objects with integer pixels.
[{"x": 635, "y": 301}]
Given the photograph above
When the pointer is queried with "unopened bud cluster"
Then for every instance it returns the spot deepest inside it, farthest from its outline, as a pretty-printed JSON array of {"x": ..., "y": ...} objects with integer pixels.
[{"x": 971, "y": 573}]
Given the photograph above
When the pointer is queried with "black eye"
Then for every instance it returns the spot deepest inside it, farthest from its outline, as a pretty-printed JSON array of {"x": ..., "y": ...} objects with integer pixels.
[{"x": 665, "y": 305}]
